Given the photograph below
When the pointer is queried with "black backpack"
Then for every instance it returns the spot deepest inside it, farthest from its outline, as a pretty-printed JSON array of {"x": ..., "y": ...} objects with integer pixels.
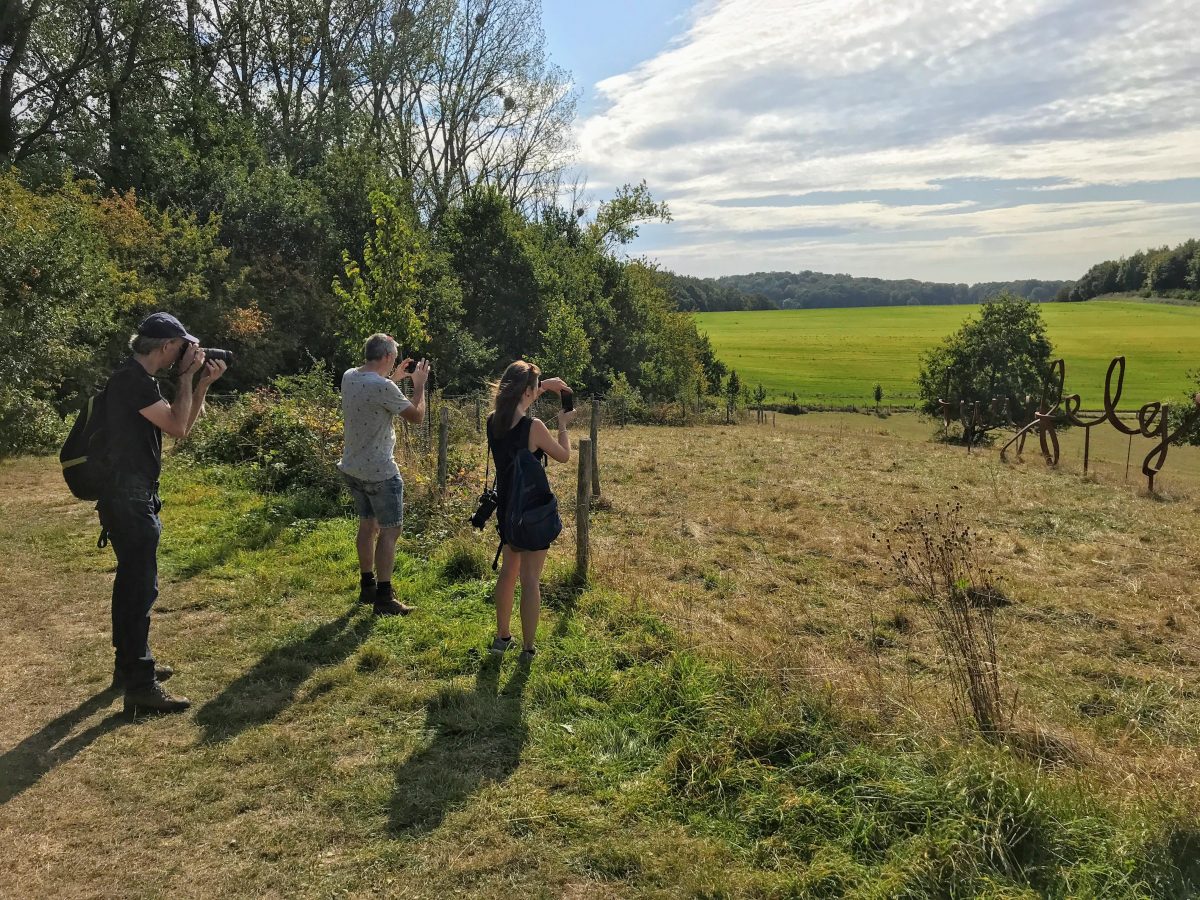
[
  {"x": 84, "y": 454},
  {"x": 531, "y": 519}
]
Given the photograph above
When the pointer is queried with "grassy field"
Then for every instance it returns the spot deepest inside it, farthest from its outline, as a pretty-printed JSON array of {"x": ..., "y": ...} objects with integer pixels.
[
  {"x": 742, "y": 702},
  {"x": 835, "y": 356}
]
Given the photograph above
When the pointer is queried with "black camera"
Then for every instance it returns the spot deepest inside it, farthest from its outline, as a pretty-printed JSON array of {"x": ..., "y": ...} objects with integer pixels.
[
  {"x": 225, "y": 356},
  {"x": 487, "y": 506}
]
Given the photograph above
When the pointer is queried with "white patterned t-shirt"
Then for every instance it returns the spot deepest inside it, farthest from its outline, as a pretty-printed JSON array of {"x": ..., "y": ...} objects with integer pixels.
[{"x": 369, "y": 403}]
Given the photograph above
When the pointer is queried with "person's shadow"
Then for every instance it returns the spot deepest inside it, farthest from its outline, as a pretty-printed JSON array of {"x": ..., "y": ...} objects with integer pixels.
[
  {"x": 477, "y": 737},
  {"x": 25, "y": 764},
  {"x": 268, "y": 688}
]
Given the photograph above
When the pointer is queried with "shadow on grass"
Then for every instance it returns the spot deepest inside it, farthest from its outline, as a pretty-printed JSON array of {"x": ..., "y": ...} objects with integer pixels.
[
  {"x": 222, "y": 541},
  {"x": 264, "y": 691},
  {"x": 25, "y": 764},
  {"x": 562, "y": 594},
  {"x": 477, "y": 738}
]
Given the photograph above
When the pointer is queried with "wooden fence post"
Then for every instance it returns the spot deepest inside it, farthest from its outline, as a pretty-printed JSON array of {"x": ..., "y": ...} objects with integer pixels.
[
  {"x": 443, "y": 447},
  {"x": 595, "y": 429},
  {"x": 582, "y": 508}
]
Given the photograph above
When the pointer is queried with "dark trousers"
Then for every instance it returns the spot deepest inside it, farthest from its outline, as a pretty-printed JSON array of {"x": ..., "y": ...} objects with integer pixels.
[{"x": 129, "y": 512}]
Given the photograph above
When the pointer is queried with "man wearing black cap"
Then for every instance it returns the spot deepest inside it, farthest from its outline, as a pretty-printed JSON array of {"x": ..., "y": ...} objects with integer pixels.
[{"x": 137, "y": 415}]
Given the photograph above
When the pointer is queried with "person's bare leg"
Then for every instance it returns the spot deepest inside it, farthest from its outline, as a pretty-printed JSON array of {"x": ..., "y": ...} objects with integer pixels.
[
  {"x": 368, "y": 532},
  {"x": 531, "y": 595},
  {"x": 385, "y": 553},
  {"x": 506, "y": 586}
]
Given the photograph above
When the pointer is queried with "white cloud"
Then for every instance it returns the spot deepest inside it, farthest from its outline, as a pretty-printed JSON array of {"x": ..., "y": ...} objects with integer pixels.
[{"x": 767, "y": 99}]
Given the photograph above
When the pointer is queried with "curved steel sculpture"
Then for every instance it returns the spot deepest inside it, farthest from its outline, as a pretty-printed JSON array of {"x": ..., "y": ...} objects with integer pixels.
[{"x": 1153, "y": 421}]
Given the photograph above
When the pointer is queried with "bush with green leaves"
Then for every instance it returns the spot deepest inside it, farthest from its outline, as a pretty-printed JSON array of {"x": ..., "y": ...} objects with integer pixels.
[
  {"x": 1003, "y": 353},
  {"x": 286, "y": 438}
]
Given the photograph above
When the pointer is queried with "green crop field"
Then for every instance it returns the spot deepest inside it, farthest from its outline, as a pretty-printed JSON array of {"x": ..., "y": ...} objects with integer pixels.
[{"x": 835, "y": 356}]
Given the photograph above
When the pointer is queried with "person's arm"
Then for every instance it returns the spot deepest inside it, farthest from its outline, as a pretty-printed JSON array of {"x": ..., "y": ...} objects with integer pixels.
[
  {"x": 213, "y": 369},
  {"x": 176, "y": 418},
  {"x": 557, "y": 385},
  {"x": 415, "y": 414},
  {"x": 557, "y": 448}
]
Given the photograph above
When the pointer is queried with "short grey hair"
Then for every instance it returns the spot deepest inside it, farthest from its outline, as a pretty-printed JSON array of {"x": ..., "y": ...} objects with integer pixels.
[
  {"x": 378, "y": 346},
  {"x": 140, "y": 345}
]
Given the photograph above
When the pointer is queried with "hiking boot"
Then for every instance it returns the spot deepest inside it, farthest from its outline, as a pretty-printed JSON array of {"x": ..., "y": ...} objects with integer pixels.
[
  {"x": 366, "y": 593},
  {"x": 153, "y": 698},
  {"x": 390, "y": 606},
  {"x": 527, "y": 656},
  {"x": 161, "y": 673},
  {"x": 502, "y": 645}
]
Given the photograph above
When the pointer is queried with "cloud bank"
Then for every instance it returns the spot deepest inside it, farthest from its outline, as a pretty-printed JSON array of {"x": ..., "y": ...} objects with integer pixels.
[{"x": 960, "y": 140}]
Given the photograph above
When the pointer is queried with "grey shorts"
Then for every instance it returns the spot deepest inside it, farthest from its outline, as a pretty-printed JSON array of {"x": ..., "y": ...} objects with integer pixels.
[{"x": 382, "y": 501}]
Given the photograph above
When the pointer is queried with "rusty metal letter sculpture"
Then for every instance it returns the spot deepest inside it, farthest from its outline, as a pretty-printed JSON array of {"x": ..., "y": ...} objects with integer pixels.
[{"x": 1153, "y": 421}]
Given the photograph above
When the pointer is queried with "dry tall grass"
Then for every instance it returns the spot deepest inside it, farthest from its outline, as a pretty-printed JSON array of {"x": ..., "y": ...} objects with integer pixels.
[{"x": 756, "y": 543}]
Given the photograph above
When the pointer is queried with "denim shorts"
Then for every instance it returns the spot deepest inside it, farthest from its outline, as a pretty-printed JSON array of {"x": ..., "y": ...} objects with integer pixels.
[{"x": 382, "y": 501}]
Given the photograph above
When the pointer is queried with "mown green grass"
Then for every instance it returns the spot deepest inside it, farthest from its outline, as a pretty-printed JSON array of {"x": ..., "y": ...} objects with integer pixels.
[
  {"x": 836, "y": 356},
  {"x": 333, "y": 753}
]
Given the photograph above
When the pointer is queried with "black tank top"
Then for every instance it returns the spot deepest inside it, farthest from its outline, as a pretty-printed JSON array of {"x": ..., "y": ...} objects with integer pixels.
[{"x": 504, "y": 449}]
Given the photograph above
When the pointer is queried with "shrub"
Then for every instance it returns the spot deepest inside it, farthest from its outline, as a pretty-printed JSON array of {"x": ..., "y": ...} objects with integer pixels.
[{"x": 286, "y": 438}]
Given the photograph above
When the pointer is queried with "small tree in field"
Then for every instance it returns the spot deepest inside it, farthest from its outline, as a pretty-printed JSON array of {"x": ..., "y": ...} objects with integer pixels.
[
  {"x": 1003, "y": 353},
  {"x": 878, "y": 394},
  {"x": 733, "y": 389}
]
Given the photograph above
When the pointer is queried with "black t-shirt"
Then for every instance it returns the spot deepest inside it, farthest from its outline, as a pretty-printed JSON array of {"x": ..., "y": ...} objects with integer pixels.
[
  {"x": 134, "y": 442},
  {"x": 504, "y": 449}
]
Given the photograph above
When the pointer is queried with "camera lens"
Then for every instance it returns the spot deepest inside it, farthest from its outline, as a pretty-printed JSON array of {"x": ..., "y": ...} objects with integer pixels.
[{"x": 225, "y": 356}]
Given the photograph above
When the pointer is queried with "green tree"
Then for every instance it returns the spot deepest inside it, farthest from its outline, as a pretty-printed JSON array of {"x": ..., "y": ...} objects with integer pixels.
[
  {"x": 1003, "y": 353},
  {"x": 878, "y": 394},
  {"x": 384, "y": 293},
  {"x": 733, "y": 388},
  {"x": 564, "y": 352}
]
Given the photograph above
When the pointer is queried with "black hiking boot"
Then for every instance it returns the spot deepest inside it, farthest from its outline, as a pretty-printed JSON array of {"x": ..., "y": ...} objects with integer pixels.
[
  {"x": 153, "y": 698},
  {"x": 161, "y": 673}
]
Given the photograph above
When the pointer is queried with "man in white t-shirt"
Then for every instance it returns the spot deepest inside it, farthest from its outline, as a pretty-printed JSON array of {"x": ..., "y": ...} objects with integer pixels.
[{"x": 370, "y": 401}]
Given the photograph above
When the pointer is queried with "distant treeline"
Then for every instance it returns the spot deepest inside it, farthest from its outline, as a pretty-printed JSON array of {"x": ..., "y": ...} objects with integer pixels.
[
  {"x": 818, "y": 290},
  {"x": 1166, "y": 271}
]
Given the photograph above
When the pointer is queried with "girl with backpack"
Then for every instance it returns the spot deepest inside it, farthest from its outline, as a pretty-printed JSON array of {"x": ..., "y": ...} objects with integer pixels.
[{"x": 512, "y": 435}]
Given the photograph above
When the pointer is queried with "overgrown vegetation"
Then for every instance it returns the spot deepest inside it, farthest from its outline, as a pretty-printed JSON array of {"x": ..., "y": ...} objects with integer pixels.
[
  {"x": 263, "y": 171},
  {"x": 330, "y": 753}
]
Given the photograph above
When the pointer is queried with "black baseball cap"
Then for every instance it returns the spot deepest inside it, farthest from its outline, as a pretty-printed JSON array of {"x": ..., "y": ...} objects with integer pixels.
[{"x": 164, "y": 325}]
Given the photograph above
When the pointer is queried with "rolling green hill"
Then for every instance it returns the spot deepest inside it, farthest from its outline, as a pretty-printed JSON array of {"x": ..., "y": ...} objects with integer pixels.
[{"x": 835, "y": 356}]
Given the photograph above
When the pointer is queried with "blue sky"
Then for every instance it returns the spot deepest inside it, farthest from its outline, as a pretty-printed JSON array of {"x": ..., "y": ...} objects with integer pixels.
[{"x": 958, "y": 140}]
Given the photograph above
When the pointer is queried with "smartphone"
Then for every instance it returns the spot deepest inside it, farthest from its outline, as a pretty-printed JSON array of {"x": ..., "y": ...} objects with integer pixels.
[
  {"x": 411, "y": 367},
  {"x": 568, "y": 401}
]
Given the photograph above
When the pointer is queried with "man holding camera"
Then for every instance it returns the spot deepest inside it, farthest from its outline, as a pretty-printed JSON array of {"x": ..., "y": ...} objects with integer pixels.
[
  {"x": 136, "y": 417},
  {"x": 370, "y": 400}
]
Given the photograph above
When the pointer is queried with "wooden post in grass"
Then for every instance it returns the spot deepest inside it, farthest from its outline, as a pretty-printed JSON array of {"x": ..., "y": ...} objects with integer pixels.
[
  {"x": 443, "y": 448},
  {"x": 582, "y": 508},
  {"x": 595, "y": 452}
]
